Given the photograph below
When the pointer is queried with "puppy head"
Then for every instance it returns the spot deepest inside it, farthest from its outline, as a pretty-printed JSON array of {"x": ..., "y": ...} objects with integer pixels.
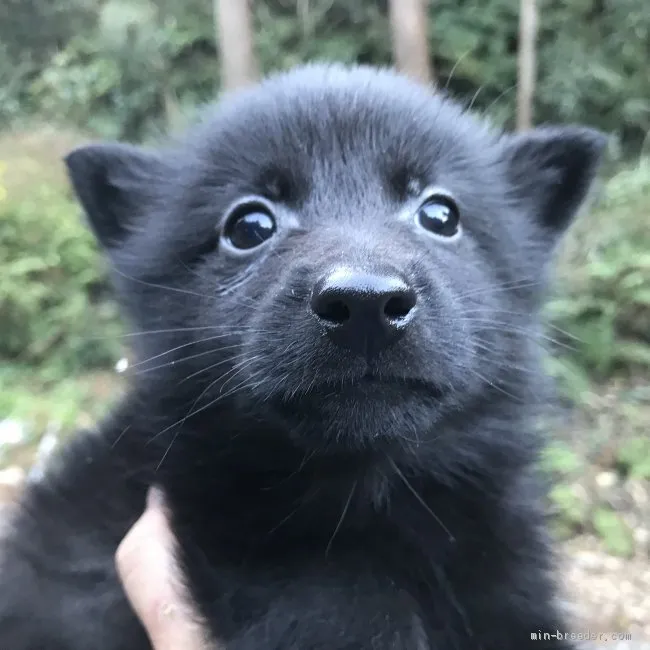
[{"x": 340, "y": 251}]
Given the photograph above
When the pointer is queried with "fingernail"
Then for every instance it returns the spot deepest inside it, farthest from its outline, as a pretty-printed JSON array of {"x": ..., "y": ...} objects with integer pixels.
[{"x": 155, "y": 498}]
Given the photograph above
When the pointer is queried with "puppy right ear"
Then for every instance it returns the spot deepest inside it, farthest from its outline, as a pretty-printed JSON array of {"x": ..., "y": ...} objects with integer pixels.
[
  {"x": 553, "y": 168},
  {"x": 115, "y": 184}
]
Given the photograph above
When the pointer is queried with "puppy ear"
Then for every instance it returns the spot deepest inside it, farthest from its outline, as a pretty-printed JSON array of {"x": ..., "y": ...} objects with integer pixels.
[
  {"x": 554, "y": 167},
  {"x": 115, "y": 184}
]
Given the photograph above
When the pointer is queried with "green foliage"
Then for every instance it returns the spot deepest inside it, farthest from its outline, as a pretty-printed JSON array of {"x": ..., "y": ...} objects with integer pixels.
[
  {"x": 35, "y": 29},
  {"x": 62, "y": 405},
  {"x": 53, "y": 302},
  {"x": 287, "y": 33},
  {"x": 598, "y": 66},
  {"x": 50, "y": 272},
  {"x": 593, "y": 60},
  {"x": 560, "y": 459},
  {"x": 12, "y": 80},
  {"x": 603, "y": 296},
  {"x": 615, "y": 533},
  {"x": 634, "y": 457},
  {"x": 129, "y": 68},
  {"x": 571, "y": 511},
  {"x": 119, "y": 81}
]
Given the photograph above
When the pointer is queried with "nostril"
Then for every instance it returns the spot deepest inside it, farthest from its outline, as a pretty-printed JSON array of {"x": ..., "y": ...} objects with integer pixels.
[
  {"x": 334, "y": 311},
  {"x": 399, "y": 306}
]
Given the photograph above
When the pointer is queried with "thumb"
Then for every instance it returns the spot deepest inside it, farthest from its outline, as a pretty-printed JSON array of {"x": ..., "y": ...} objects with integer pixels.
[{"x": 149, "y": 575}]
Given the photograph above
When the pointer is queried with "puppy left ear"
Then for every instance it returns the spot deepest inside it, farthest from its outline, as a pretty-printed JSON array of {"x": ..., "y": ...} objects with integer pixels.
[
  {"x": 116, "y": 184},
  {"x": 553, "y": 168}
]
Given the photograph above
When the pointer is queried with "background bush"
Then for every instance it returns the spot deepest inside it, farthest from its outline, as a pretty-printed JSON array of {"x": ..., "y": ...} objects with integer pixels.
[
  {"x": 54, "y": 304},
  {"x": 601, "y": 303},
  {"x": 127, "y": 68}
]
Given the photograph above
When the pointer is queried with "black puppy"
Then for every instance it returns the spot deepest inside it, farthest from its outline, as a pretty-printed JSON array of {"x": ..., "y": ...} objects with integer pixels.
[{"x": 334, "y": 283}]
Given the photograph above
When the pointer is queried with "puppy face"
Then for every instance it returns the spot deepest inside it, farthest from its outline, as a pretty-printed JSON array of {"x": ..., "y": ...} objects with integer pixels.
[{"x": 338, "y": 251}]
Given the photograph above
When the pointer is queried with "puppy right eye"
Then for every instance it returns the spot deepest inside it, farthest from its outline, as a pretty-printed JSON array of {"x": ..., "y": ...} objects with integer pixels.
[
  {"x": 439, "y": 215},
  {"x": 249, "y": 226}
]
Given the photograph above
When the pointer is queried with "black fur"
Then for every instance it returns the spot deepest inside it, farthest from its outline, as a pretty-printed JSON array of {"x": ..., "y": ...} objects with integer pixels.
[{"x": 321, "y": 499}]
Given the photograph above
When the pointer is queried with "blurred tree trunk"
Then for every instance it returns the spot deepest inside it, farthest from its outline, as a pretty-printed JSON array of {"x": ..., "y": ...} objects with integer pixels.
[
  {"x": 162, "y": 65},
  {"x": 173, "y": 113},
  {"x": 234, "y": 35},
  {"x": 526, "y": 63},
  {"x": 408, "y": 20}
]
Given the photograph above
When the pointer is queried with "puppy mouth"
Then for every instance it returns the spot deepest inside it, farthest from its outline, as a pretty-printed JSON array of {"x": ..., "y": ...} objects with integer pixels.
[
  {"x": 368, "y": 387},
  {"x": 371, "y": 412},
  {"x": 371, "y": 378}
]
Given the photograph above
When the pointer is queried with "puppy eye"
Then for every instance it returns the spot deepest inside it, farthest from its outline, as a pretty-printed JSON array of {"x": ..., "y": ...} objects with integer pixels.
[
  {"x": 249, "y": 226},
  {"x": 439, "y": 215}
]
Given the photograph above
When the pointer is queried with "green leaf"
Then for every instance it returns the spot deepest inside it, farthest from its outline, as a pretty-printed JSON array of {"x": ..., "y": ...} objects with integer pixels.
[
  {"x": 615, "y": 533},
  {"x": 560, "y": 458}
]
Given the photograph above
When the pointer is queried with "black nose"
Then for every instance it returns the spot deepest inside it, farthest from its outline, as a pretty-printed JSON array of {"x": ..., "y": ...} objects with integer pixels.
[{"x": 363, "y": 312}]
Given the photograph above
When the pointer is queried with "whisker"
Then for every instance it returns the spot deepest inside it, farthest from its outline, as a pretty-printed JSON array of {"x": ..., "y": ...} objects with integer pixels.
[
  {"x": 212, "y": 383},
  {"x": 504, "y": 286},
  {"x": 126, "y": 428},
  {"x": 191, "y": 270},
  {"x": 451, "y": 74},
  {"x": 241, "y": 366},
  {"x": 180, "y": 347},
  {"x": 181, "y": 422},
  {"x": 160, "y": 286},
  {"x": 175, "y": 330},
  {"x": 284, "y": 520},
  {"x": 507, "y": 365},
  {"x": 281, "y": 381},
  {"x": 475, "y": 97},
  {"x": 242, "y": 385},
  {"x": 489, "y": 325},
  {"x": 189, "y": 358},
  {"x": 422, "y": 502},
  {"x": 210, "y": 367},
  {"x": 342, "y": 517},
  {"x": 493, "y": 385},
  {"x": 545, "y": 324},
  {"x": 168, "y": 449},
  {"x": 191, "y": 409},
  {"x": 499, "y": 97}
]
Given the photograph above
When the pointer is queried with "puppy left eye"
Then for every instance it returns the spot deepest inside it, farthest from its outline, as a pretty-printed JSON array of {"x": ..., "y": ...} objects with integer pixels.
[
  {"x": 439, "y": 215},
  {"x": 249, "y": 227}
]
